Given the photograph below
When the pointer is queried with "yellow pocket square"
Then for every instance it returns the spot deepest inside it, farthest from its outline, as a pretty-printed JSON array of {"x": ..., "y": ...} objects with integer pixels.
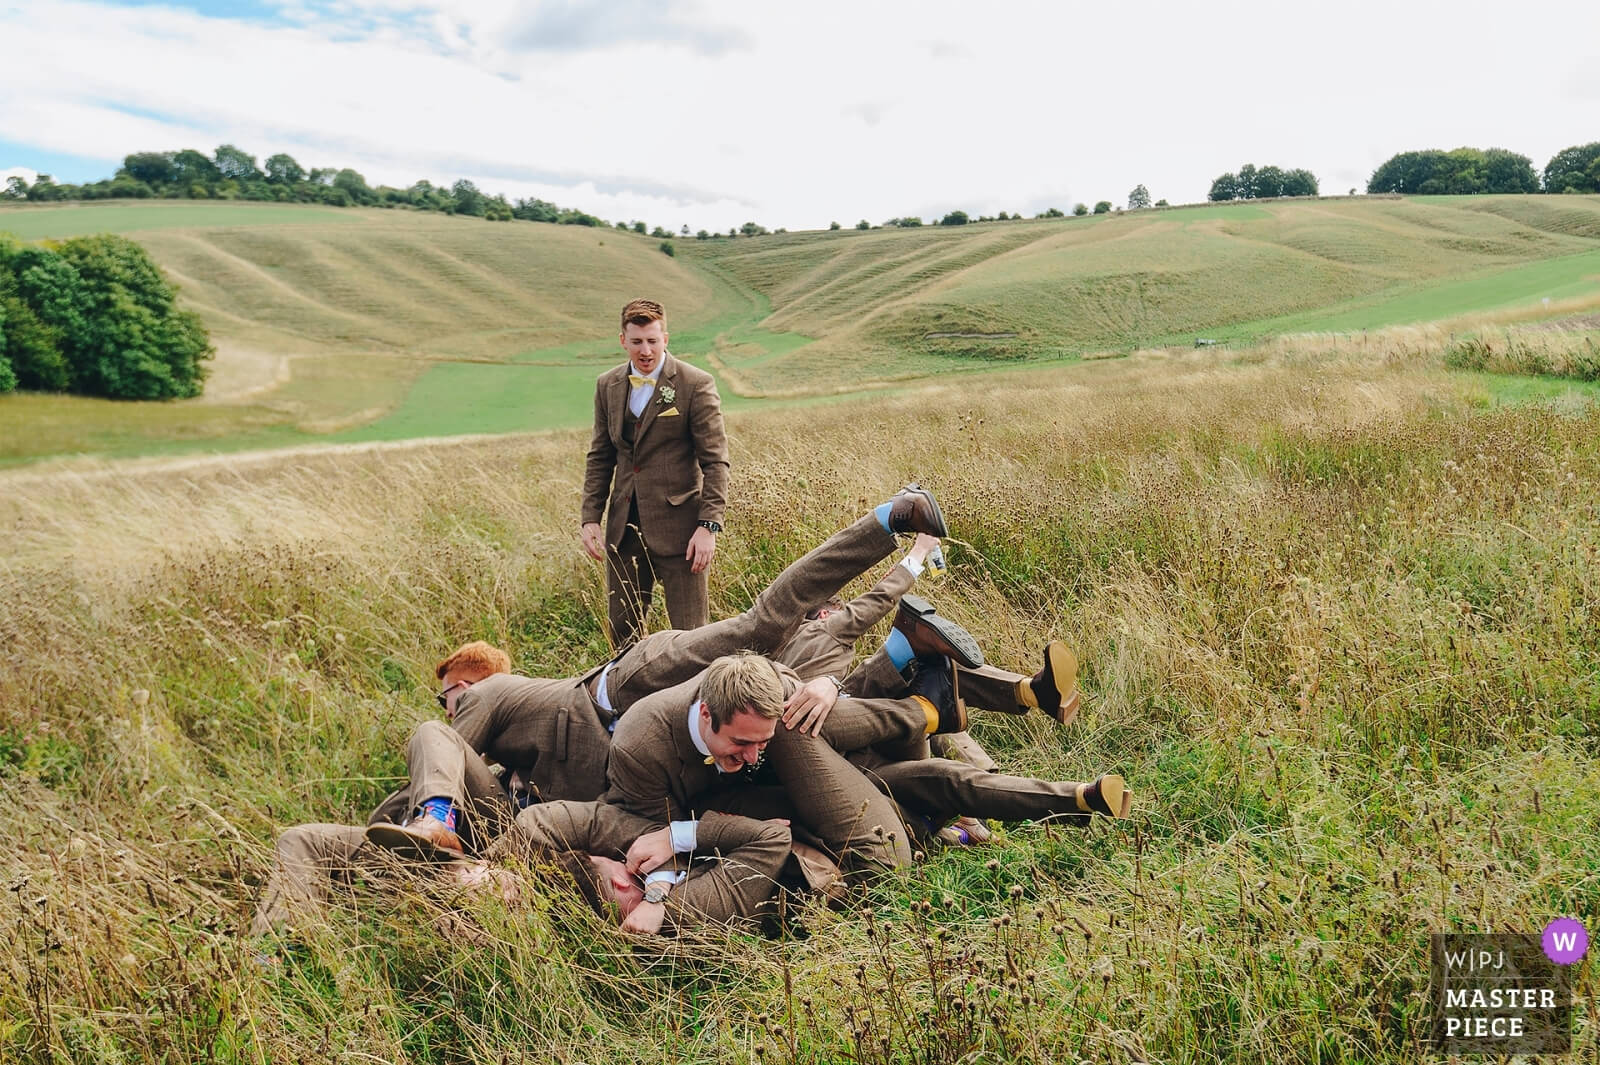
[{"x": 670, "y": 412}]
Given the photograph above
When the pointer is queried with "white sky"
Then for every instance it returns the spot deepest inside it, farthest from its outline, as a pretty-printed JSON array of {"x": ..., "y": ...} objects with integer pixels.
[{"x": 714, "y": 113}]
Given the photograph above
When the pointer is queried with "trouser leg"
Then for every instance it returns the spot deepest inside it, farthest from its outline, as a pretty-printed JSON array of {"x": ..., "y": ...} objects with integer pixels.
[
  {"x": 988, "y": 688},
  {"x": 963, "y": 748},
  {"x": 306, "y": 860},
  {"x": 941, "y": 787},
  {"x": 686, "y": 592},
  {"x": 442, "y": 765},
  {"x": 856, "y": 823},
  {"x": 629, "y": 581},
  {"x": 776, "y": 613}
]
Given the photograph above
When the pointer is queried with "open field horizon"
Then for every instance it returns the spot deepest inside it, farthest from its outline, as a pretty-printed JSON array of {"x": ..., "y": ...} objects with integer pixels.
[
  {"x": 364, "y": 325},
  {"x": 1338, "y": 607}
]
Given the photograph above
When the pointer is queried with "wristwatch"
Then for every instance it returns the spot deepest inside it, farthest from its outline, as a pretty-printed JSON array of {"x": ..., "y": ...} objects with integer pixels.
[
  {"x": 657, "y": 892},
  {"x": 714, "y": 526}
]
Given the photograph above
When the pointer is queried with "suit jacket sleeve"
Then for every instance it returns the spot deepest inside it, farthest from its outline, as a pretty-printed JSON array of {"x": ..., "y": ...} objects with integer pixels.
[
  {"x": 860, "y": 614},
  {"x": 602, "y": 460},
  {"x": 710, "y": 451}
]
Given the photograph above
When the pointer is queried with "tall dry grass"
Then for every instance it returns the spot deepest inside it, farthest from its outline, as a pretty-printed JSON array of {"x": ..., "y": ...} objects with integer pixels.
[{"x": 1340, "y": 626}]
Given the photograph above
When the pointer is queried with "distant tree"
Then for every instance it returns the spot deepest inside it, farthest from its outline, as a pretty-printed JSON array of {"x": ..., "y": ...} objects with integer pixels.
[
  {"x": 954, "y": 218},
  {"x": 152, "y": 168},
  {"x": 536, "y": 210},
  {"x": 1461, "y": 172},
  {"x": 1575, "y": 169},
  {"x": 1103, "y": 207},
  {"x": 622, "y": 226},
  {"x": 44, "y": 189},
  {"x": 1079, "y": 209},
  {"x": 1139, "y": 198},
  {"x": 283, "y": 170},
  {"x": 16, "y": 188},
  {"x": 639, "y": 227},
  {"x": 1002, "y": 217},
  {"x": 579, "y": 218},
  {"x": 1163, "y": 203},
  {"x": 356, "y": 185},
  {"x": 1224, "y": 188},
  {"x": 233, "y": 163},
  {"x": 908, "y": 222},
  {"x": 668, "y": 249},
  {"x": 466, "y": 197},
  {"x": 751, "y": 229},
  {"x": 659, "y": 233},
  {"x": 702, "y": 235},
  {"x": 334, "y": 196},
  {"x": 863, "y": 224},
  {"x": 1053, "y": 212},
  {"x": 322, "y": 175},
  {"x": 834, "y": 225},
  {"x": 733, "y": 231},
  {"x": 191, "y": 168}
]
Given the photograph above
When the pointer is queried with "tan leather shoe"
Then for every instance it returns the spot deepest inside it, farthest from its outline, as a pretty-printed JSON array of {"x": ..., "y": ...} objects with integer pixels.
[
  {"x": 426, "y": 839},
  {"x": 1054, "y": 689},
  {"x": 1108, "y": 796},
  {"x": 915, "y": 510}
]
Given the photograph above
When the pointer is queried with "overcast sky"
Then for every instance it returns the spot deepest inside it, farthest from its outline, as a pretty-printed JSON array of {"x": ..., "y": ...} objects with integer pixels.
[{"x": 710, "y": 114}]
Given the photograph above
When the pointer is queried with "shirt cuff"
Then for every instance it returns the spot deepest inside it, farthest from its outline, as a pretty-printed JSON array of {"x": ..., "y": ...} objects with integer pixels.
[
  {"x": 912, "y": 566},
  {"x": 664, "y": 876},
  {"x": 685, "y": 836}
]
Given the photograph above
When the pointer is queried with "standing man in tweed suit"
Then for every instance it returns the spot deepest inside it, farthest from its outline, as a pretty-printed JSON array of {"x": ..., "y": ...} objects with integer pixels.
[{"x": 659, "y": 453}]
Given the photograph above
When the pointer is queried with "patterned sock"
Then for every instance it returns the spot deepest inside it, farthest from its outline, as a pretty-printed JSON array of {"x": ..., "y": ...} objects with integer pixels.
[{"x": 441, "y": 809}]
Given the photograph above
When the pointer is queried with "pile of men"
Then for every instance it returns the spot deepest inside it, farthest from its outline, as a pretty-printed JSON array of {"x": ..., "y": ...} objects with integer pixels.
[{"x": 702, "y": 772}]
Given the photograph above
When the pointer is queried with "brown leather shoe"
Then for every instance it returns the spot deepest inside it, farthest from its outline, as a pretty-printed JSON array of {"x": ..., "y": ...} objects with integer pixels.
[
  {"x": 1054, "y": 689},
  {"x": 426, "y": 839},
  {"x": 935, "y": 685},
  {"x": 1108, "y": 795},
  {"x": 914, "y": 510},
  {"x": 930, "y": 634}
]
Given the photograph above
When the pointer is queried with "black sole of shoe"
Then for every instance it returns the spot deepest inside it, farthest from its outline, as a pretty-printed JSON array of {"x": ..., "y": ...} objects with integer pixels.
[{"x": 960, "y": 644}]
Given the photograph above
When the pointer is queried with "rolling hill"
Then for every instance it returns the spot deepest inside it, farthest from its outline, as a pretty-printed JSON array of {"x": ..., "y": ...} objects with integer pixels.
[{"x": 347, "y": 325}]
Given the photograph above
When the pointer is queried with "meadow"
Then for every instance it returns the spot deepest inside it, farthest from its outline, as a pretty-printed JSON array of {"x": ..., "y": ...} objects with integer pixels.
[
  {"x": 368, "y": 325},
  {"x": 1339, "y": 612}
]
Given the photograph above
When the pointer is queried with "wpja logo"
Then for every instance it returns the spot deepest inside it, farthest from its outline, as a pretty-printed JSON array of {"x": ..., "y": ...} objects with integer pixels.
[{"x": 1506, "y": 994}]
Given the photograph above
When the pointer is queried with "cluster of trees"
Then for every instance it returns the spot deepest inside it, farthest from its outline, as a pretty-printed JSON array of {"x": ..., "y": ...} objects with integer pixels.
[
  {"x": 230, "y": 173},
  {"x": 93, "y": 315},
  {"x": 1467, "y": 171},
  {"x": 1267, "y": 182}
]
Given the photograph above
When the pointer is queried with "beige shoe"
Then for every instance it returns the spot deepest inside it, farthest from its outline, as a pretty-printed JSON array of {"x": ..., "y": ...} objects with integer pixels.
[{"x": 426, "y": 839}]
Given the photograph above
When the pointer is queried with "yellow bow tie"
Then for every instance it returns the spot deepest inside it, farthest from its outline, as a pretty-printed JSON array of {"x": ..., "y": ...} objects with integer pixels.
[
  {"x": 640, "y": 382},
  {"x": 710, "y": 760}
]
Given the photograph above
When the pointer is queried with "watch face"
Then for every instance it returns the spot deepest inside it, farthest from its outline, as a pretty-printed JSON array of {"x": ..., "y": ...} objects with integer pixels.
[{"x": 655, "y": 893}]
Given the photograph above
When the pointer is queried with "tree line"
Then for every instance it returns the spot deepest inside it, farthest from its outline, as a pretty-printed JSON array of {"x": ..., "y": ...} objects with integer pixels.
[
  {"x": 230, "y": 173},
  {"x": 1467, "y": 171},
  {"x": 95, "y": 316}
]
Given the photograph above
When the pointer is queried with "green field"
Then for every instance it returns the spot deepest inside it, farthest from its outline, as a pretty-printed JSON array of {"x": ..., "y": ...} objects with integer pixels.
[{"x": 337, "y": 325}]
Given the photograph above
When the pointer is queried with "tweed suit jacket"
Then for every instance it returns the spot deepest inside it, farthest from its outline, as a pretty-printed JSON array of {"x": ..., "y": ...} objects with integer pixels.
[
  {"x": 549, "y": 730},
  {"x": 676, "y": 467},
  {"x": 826, "y": 646},
  {"x": 655, "y": 770}
]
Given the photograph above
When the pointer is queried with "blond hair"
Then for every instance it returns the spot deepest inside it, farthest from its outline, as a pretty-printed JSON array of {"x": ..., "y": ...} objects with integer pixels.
[{"x": 741, "y": 682}]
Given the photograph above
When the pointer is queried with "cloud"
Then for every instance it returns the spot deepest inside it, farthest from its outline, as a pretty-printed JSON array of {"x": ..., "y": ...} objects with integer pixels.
[{"x": 575, "y": 25}]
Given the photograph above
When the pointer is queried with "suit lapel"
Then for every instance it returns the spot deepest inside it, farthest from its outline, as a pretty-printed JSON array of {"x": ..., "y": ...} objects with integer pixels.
[
  {"x": 618, "y": 405},
  {"x": 668, "y": 379}
]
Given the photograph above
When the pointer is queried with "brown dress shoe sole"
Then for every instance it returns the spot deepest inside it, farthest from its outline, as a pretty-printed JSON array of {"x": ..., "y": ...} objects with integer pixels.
[{"x": 917, "y": 618}]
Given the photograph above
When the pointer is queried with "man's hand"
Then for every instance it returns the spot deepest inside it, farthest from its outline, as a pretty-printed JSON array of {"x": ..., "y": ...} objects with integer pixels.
[
  {"x": 593, "y": 540},
  {"x": 702, "y": 545},
  {"x": 645, "y": 919},
  {"x": 649, "y": 852},
  {"x": 921, "y": 547},
  {"x": 810, "y": 705}
]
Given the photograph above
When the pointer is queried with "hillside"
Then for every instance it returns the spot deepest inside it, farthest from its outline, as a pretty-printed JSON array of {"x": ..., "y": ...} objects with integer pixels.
[
  {"x": 903, "y": 303},
  {"x": 360, "y": 325}
]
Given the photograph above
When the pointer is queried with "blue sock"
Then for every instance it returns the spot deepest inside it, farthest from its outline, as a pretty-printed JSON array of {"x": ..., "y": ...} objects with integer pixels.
[
  {"x": 881, "y": 512},
  {"x": 898, "y": 648},
  {"x": 441, "y": 809}
]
